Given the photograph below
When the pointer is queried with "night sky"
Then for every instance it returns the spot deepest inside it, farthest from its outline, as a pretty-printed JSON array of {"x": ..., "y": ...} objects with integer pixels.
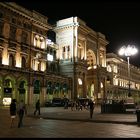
[{"x": 119, "y": 21}]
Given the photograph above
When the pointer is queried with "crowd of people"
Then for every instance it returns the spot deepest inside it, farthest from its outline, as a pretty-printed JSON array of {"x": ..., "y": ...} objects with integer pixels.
[
  {"x": 77, "y": 105},
  {"x": 88, "y": 105}
]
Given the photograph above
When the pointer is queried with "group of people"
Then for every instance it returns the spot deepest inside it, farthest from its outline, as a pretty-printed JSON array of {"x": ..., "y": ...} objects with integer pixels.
[
  {"x": 20, "y": 109},
  {"x": 78, "y": 106}
]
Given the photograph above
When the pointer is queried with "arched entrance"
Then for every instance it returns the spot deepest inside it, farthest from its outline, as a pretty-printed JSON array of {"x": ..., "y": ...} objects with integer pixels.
[
  {"x": 9, "y": 90},
  {"x": 49, "y": 90},
  {"x": 22, "y": 90},
  {"x": 36, "y": 91}
]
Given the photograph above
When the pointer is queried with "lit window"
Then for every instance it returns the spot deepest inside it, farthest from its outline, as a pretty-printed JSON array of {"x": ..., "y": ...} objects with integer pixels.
[
  {"x": 101, "y": 85},
  {"x": 109, "y": 68},
  {"x": 49, "y": 42},
  {"x": 49, "y": 57},
  {"x": 79, "y": 81}
]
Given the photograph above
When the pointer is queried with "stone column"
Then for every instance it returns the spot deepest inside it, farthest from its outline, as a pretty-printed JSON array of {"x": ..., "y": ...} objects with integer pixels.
[
  {"x": 84, "y": 86},
  {"x": 43, "y": 96},
  {"x": 30, "y": 96}
]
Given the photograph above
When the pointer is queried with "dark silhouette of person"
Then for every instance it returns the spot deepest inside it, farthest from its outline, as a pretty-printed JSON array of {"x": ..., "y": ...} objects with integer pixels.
[
  {"x": 21, "y": 111},
  {"x": 72, "y": 105},
  {"x": 37, "y": 107},
  {"x": 13, "y": 111},
  {"x": 91, "y": 107}
]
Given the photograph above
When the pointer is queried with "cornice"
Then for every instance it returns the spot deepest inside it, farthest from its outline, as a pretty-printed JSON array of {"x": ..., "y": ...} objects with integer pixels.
[{"x": 33, "y": 16}]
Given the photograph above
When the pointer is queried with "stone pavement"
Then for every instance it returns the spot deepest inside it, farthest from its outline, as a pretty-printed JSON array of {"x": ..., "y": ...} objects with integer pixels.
[
  {"x": 57, "y": 122},
  {"x": 59, "y": 113}
]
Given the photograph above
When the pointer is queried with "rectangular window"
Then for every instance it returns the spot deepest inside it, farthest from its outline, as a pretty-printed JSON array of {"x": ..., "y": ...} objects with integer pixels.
[
  {"x": 1, "y": 28},
  {"x": 24, "y": 37},
  {"x": 12, "y": 33}
]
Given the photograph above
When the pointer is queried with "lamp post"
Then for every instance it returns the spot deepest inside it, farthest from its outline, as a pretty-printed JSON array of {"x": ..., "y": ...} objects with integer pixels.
[{"x": 128, "y": 51}]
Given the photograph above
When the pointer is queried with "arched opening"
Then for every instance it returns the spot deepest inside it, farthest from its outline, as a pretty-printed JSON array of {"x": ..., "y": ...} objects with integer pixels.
[
  {"x": 22, "y": 87},
  {"x": 80, "y": 51},
  {"x": 37, "y": 87},
  {"x": 7, "y": 91},
  {"x": 91, "y": 59}
]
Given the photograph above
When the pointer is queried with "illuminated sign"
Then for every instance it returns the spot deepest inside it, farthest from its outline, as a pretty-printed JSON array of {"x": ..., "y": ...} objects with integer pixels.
[{"x": 6, "y": 101}]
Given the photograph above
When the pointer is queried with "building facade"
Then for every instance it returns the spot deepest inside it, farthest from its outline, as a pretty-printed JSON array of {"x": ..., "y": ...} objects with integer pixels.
[
  {"x": 29, "y": 69},
  {"x": 82, "y": 55},
  {"x": 74, "y": 66},
  {"x": 118, "y": 79}
]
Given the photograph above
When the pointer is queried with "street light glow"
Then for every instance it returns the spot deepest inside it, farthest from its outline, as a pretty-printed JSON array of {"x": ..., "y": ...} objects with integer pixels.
[
  {"x": 128, "y": 51},
  {"x": 122, "y": 51}
]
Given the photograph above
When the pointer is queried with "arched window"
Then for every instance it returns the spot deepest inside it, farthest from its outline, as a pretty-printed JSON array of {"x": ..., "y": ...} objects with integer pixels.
[
  {"x": 42, "y": 43},
  {"x": 7, "y": 83},
  {"x": 22, "y": 87},
  {"x": 57, "y": 86},
  {"x": 109, "y": 68},
  {"x": 7, "y": 87},
  {"x": 22, "y": 84},
  {"x": 65, "y": 87},
  {"x": 49, "y": 88},
  {"x": 80, "y": 51},
  {"x": 91, "y": 59},
  {"x": 36, "y": 41},
  {"x": 37, "y": 87}
]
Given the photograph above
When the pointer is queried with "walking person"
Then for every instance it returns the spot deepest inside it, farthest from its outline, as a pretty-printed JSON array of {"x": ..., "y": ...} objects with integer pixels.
[
  {"x": 21, "y": 112},
  {"x": 37, "y": 107},
  {"x": 72, "y": 105},
  {"x": 91, "y": 106},
  {"x": 12, "y": 111}
]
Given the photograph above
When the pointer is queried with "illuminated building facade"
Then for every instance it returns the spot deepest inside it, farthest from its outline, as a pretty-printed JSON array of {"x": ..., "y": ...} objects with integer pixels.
[
  {"x": 29, "y": 69},
  {"x": 33, "y": 67},
  {"x": 117, "y": 79},
  {"x": 82, "y": 55}
]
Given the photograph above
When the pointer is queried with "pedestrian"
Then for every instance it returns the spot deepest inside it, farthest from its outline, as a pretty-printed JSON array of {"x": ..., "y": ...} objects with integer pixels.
[
  {"x": 76, "y": 105},
  {"x": 37, "y": 107},
  {"x": 91, "y": 106},
  {"x": 66, "y": 104},
  {"x": 21, "y": 111},
  {"x": 12, "y": 111},
  {"x": 72, "y": 105}
]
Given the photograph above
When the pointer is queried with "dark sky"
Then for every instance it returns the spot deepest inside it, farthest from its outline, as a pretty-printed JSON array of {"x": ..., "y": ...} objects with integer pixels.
[{"x": 119, "y": 21}]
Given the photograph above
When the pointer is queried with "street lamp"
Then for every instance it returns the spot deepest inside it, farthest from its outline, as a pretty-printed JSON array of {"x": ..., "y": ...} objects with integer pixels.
[{"x": 128, "y": 51}]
